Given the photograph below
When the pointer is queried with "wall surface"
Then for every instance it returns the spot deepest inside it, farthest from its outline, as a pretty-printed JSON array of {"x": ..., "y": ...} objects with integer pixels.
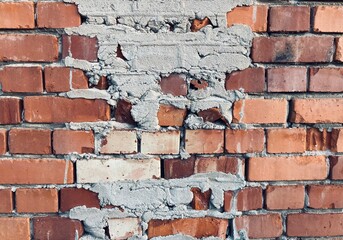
[{"x": 171, "y": 119}]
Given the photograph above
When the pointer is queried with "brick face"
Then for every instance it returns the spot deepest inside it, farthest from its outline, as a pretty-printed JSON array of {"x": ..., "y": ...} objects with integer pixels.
[
  {"x": 289, "y": 19},
  {"x": 36, "y": 200},
  {"x": 15, "y": 228},
  {"x": 67, "y": 141},
  {"x": 18, "y": 15}
]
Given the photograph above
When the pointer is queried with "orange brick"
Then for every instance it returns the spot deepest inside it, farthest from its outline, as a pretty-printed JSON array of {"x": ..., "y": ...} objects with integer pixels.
[
  {"x": 160, "y": 142},
  {"x": 3, "y": 141},
  {"x": 17, "y": 15},
  {"x": 323, "y": 110},
  {"x": 204, "y": 141},
  {"x": 328, "y": 19},
  {"x": 6, "y": 201},
  {"x": 287, "y": 140},
  {"x": 285, "y": 197},
  {"x": 253, "y": 16},
  {"x": 260, "y": 111},
  {"x": 120, "y": 141},
  {"x": 244, "y": 141},
  {"x": 319, "y": 139},
  {"x": 198, "y": 24},
  {"x": 36, "y": 171},
  {"x": 69, "y": 141},
  {"x": 57, "y": 15},
  {"x": 325, "y": 196},
  {"x": 253, "y": 225},
  {"x": 287, "y": 168},
  {"x": 14, "y": 228},
  {"x": 249, "y": 199},
  {"x": 289, "y": 19},
  {"x": 28, "y": 47},
  {"x": 10, "y": 109},
  {"x": 36, "y": 200},
  {"x": 30, "y": 141},
  {"x": 170, "y": 116},
  {"x": 46, "y": 109}
]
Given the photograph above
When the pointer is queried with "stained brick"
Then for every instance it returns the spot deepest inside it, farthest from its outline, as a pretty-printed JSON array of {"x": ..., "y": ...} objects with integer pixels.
[
  {"x": 69, "y": 141},
  {"x": 249, "y": 199},
  {"x": 119, "y": 141},
  {"x": 250, "y": 80},
  {"x": 204, "y": 141},
  {"x": 73, "y": 197},
  {"x": 289, "y": 19},
  {"x": 285, "y": 197}
]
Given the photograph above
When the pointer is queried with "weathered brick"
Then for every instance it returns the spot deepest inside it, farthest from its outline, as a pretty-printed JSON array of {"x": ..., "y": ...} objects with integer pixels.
[
  {"x": 69, "y": 141},
  {"x": 36, "y": 200},
  {"x": 80, "y": 47},
  {"x": 117, "y": 169},
  {"x": 160, "y": 142},
  {"x": 28, "y": 47},
  {"x": 6, "y": 201},
  {"x": 170, "y": 116},
  {"x": 119, "y": 141},
  {"x": 339, "y": 49},
  {"x": 51, "y": 228},
  {"x": 228, "y": 201},
  {"x": 36, "y": 171},
  {"x": 250, "y": 80},
  {"x": 123, "y": 112},
  {"x": 260, "y": 111},
  {"x": 253, "y": 225},
  {"x": 287, "y": 168},
  {"x": 287, "y": 79},
  {"x": 337, "y": 140},
  {"x": 73, "y": 197},
  {"x": 57, "y": 15},
  {"x": 178, "y": 168},
  {"x": 198, "y": 24},
  {"x": 46, "y": 109},
  {"x": 124, "y": 228},
  {"x": 318, "y": 139},
  {"x": 244, "y": 141},
  {"x": 336, "y": 168},
  {"x": 315, "y": 110},
  {"x": 3, "y": 141},
  {"x": 325, "y": 196},
  {"x": 63, "y": 79},
  {"x": 253, "y": 16},
  {"x": 21, "y": 79},
  {"x": 10, "y": 109},
  {"x": 30, "y": 141},
  {"x": 328, "y": 19},
  {"x": 285, "y": 197},
  {"x": 195, "y": 227},
  {"x": 17, "y": 15},
  {"x": 289, "y": 19},
  {"x": 15, "y": 228},
  {"x": 314, "y": 225},
  {"x": 286, "y": 140},
  {"x": 174, "y": 84},
  {"x": 326, "y": 80},
  {"x": 249, "y": 199},
  {"x": 204, "y": 141},
  {"x": 201, "y": 200},
  {"x": 300, "y": 49},
  {"x": 197, "y": 84},
  {"x": 211, "y": 115}
]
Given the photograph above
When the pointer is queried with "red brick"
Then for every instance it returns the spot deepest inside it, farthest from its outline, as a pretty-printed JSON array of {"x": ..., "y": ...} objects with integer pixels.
[
  {"x": 253, "y": 16},
  {"x": 3, "y": 141},
  {"x": 212, "y": 115},
  {"x": 198, "y": 24},
  {"x": 123, "y": 112},
  {"x": 287, "y": 168},
  {"x": 174, "y": 84},
  {"x": 249, "y": 199},
  {"x": 63, "y": 79},
  {"x": 336, "y": 166},
  {"x": 260, "y": 111},
  {"x": 328, "y": 19},
  {"x": 36, "y": 200},
  {"x": 244, "y": 141},
  {"x": 73, "y": 197},
  {"x": 289, "y": 19},
  {"x": 28, "y": 48},
  {"x": 170, "y": 116},
  {"x": 17, "y": 15},
  {"x": 324, "y": 110},
  {"x": 57, "y": 15},
  {"x": 197, "y": 84},
  {"x": 287, "y": 79},
  {"x": 69, "y": 141},
  {"x": 30, "y": 141},
  {"x": 21, "y": 79},
  {"x": 195, "y": 227},
  {"x": 50, "y": 228},
  {"x": 102, "y": 83},
  {"x": 285, "y": 197},
  {"x": 260, "y": 226},
  {"x": 318, "y": 139},
  {"x": 228, "y": 201},
  {"x": 314, "y": 225},
  {"x": 10, "y": 109},
  {"x": 337, "y": 140},
  {"x": 6, "y": 201},
  {"x": 286, "y": 140},
  {"x": 201, "y": 200},
  {"x": 300, "y": 49},
  {"x": 204, "y": 141},
  {"x": 326, "y": 80},
  {"x": 14, "y": 228},
  {"x": 339, "y": 49},
  {"x": 80, "y": 47},
  {"x": 36, "y": 171},
  {"x": 250, "y": 80},
  {"x": 325, "y": 196},
  {"x": 46, "y": 109}
]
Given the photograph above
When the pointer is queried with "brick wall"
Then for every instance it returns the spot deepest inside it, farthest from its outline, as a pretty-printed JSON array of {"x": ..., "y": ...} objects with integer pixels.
[{"x": 143, "y": 119}]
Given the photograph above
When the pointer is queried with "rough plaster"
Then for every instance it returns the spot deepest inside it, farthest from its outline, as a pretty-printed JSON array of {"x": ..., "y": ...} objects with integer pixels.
[{"x": 155, "y": 40}]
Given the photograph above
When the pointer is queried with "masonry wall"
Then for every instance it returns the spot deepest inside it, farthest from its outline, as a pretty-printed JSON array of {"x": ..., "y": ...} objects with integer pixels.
[{"x": 179, "y": 119}]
